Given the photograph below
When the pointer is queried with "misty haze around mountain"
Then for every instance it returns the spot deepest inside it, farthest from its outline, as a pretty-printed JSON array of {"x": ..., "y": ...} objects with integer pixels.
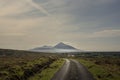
[{"x": 60, "y": 48}]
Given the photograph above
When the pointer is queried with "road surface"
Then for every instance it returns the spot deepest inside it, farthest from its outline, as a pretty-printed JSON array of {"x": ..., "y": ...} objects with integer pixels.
[{"x": 73, "y": 70}]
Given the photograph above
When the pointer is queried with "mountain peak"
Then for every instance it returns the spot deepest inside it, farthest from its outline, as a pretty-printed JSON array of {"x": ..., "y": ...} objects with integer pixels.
[{"x": 61, "y": 45}]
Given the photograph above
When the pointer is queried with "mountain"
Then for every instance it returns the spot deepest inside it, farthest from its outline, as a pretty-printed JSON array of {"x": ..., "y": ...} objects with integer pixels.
[
  {"x": 59, "y": 48},
  {"x": 63, "y": 46},
  {"x": 44, "y": 48}
]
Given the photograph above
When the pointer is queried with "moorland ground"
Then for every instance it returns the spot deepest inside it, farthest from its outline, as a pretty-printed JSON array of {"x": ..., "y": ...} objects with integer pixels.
[{"x": 25, "y": 65}]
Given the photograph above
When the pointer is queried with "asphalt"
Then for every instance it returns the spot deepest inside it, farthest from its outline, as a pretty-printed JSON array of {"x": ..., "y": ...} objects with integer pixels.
[{"x": 73, "y": 70}]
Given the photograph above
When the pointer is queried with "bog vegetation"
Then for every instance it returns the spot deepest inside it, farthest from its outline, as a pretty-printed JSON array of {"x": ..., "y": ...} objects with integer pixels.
[
  {"x": 23, "y": 65},
  {"x": 102, "y": 68}
]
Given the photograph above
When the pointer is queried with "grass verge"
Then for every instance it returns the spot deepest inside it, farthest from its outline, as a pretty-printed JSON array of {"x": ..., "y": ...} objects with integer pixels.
[
  {"x": 49, "y": 72},
  {"x": 102, "y": 70},
  {"x": 24, "y": 69}
]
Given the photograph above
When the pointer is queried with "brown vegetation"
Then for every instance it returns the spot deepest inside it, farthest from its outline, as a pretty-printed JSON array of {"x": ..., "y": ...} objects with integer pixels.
[{"x": 21, "y": 64}]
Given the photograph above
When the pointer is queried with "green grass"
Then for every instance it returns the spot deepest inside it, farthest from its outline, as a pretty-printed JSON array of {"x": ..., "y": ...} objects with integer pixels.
[
  {"x": 20, "y": 65},
  {"x": 49, "y": 72},
  {"x": 13, "y": 67},
  {"x": 102, "y": 71}
]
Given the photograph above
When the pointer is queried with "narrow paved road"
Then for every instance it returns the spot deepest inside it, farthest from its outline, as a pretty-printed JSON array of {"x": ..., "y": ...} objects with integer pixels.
[{"x": 73, "y": 70}]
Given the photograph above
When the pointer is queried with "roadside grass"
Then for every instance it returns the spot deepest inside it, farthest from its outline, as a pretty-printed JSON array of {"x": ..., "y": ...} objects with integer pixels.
[
  {"x": 102, "y": 70},
  {"x": 13, "y": 68},
  {"x": 49, "y": 72}
]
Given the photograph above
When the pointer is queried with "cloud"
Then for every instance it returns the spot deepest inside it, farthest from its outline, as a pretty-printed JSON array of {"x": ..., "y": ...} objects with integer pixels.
[
  {"x": 21, "y": 9},
  {"x": 38, "y": 7},
  {"x": 13, "y": 7},
  {"x": 27, "y": 23},
  {"x": 12, "y": 34},
  {"x": 106, "y": 33}
]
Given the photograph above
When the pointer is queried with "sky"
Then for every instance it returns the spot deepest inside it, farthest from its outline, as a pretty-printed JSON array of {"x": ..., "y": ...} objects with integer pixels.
[{"x": 85, "y": 24}]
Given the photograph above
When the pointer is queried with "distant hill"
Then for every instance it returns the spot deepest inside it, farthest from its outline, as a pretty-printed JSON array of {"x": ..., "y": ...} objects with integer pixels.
[
  {"x": 22, "y": 53},
  {"x": 44, "y": 48},
  {"x": 59, "y": 48},
  {"x": 63, "y": 46},
  {"x": 15, "y": 53}
]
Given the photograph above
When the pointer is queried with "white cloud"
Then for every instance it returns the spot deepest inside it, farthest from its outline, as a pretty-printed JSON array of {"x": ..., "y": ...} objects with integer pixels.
[
  {"x": 13, "y": 7},
  {"x": 106, "y": 33},
  {"x": 77, "y": 36},
  {"x": 38, "y": 7}
]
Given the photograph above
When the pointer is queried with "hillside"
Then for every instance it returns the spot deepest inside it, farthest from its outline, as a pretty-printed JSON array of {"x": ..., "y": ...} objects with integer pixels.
[{"x": 59, "y": 48}]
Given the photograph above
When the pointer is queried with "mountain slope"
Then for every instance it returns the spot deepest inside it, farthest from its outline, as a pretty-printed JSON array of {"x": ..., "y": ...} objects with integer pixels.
[
  {"x": 43, "y": 48},
  {"x": 63, "y": 46},
  {"x": 59, "y": 48}
]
